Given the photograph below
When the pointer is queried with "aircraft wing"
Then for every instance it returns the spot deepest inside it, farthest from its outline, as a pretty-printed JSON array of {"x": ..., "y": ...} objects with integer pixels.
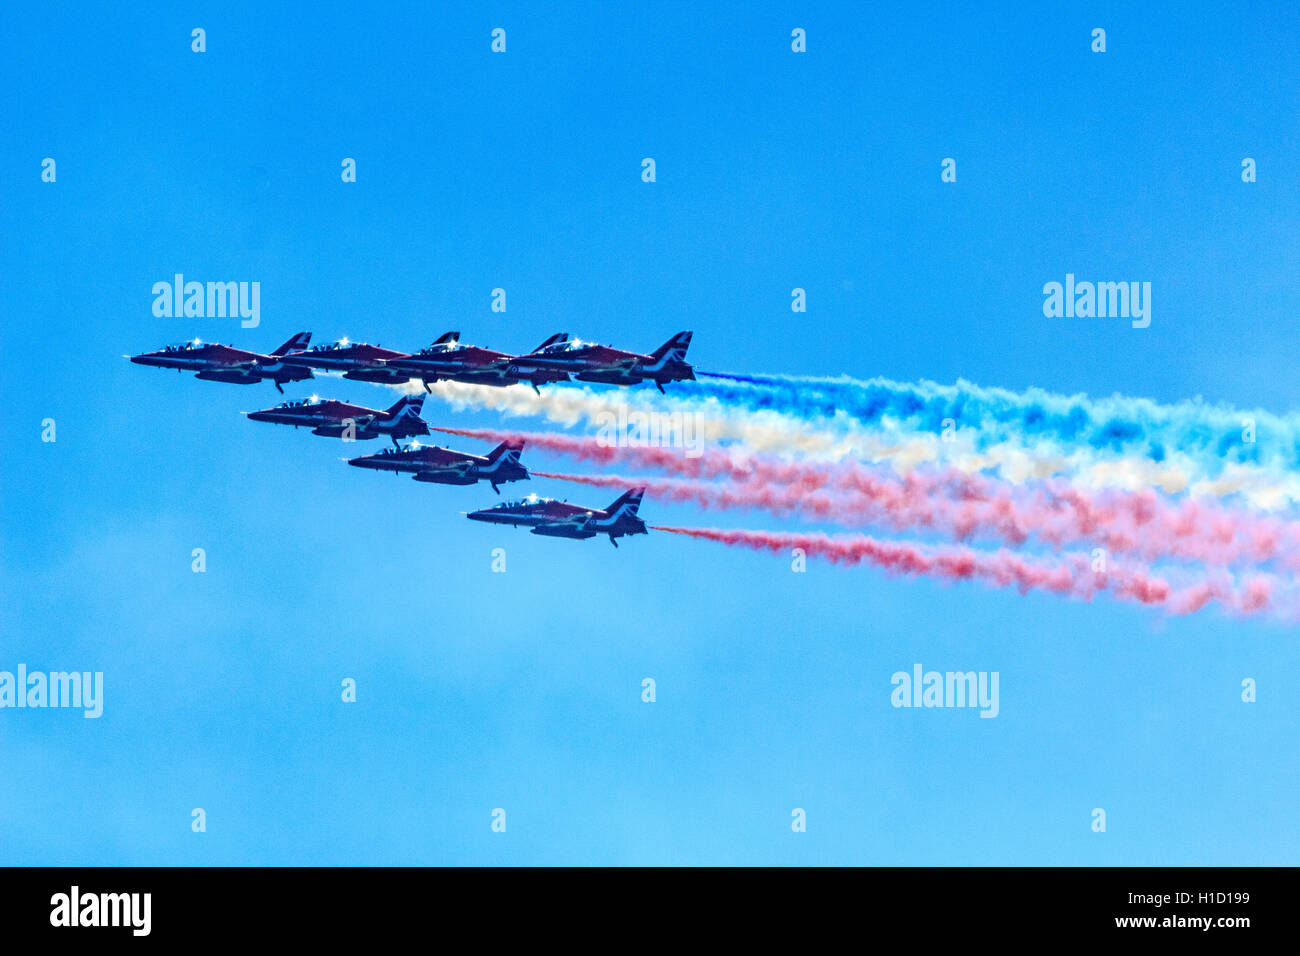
[
  {"x": 227, "y": 357},
  {"x": 429, "y": 368},
  {"x": 575, "y": 527},
  {"x": 618, "y": 367},
  {"x": 457, "y": 467},
  {"x": 497, "y": 368}
]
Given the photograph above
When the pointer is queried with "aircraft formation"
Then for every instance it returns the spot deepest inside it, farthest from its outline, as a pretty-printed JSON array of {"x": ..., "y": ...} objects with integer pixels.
[{"x": 558, "y": 359}]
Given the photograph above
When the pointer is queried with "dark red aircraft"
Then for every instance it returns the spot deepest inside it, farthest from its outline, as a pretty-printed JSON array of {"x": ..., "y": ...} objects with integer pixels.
[
  {"x": 341, "y": 420},
  {"x": 448, "y": 359},
  {"x": 225, "y": 363},
  {"x": 356, "y": 360},
  {"x": 588, "y": 362},
  {"x": 559, "y": 519},
  {"x": 446, "y": 467}
]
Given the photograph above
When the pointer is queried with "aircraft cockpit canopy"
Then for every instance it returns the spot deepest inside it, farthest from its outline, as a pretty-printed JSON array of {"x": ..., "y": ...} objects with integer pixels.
[
  {"x": 332, "y": 346},
  {"x": 572, "y": 345},
  {"x": 184, "y": 346},
  {"x": 441, "y": 348},
  {"x": 520, "y": 503}
]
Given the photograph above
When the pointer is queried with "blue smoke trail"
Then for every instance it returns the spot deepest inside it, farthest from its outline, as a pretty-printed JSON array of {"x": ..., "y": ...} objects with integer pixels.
[{"x": 1213, "y": 434}]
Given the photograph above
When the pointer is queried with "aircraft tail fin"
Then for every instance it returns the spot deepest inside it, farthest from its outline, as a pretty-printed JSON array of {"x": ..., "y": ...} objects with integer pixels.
[
  {"x": 677, "y": 345},
  {"x": 629, "y": 501},
  {"x": 555, "y": 339},
  {"x": 299, "y": 341},
  {"x": 509, "y": 449},
  {"x": 447, "y": 338},
  {"x": 409, "y": 405}
]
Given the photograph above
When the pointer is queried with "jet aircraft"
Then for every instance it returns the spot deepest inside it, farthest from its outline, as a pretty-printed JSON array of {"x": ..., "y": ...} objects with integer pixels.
[
  {"x": 559, "y": 519},
  {"x": 589, "y": 362},
  {"x": 225, "y": 363},
  {"x": 357, "y": 361},
  {"x": 447, "y": 467},
  {"x": 342, "y": 420},
  {"x": 449, "y": 359}
]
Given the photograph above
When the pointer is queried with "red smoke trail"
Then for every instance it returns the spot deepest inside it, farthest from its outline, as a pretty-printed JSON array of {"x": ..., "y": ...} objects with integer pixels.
[
  {"x": 1072, "y": 576},
  {"x": 780, "y": 500},
  {"x": 1139, "y": 524},
  {"x": 950, "y": 502},
  {"x": 591, "y": 449}
]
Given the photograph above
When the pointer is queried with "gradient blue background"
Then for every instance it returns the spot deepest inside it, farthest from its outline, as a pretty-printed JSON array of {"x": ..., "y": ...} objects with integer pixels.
[{"x": 522, "y": 690}]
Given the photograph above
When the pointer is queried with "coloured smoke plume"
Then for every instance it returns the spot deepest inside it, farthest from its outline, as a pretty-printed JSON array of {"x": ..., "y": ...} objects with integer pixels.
[
  {"x": 1211, "y": 433},
  {"x": 1072, "y": 576},
  {"x": 949, "y": 502},
  {"x": 1115, "y": 442},
  {"x": 739, "y": 461},
  {"x": 766, "y": 431},
  {"x": 760, "y": 431},
  {"x": 904, "y": 444},
  {"x": 780, "y": 500}
]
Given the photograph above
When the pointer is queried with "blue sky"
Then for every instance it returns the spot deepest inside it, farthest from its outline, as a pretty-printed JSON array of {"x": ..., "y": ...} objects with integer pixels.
[{"x": 522, "y": 690}]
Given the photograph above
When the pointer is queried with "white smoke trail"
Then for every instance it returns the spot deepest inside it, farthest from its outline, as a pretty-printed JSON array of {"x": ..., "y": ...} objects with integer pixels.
[{"x": 832, "y": 438}]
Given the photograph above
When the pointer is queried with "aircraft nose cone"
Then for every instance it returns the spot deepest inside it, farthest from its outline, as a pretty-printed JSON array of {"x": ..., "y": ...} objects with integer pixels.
[
  {"x": 377, "y": 462},
  {"x": 477, "y": 516}
]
